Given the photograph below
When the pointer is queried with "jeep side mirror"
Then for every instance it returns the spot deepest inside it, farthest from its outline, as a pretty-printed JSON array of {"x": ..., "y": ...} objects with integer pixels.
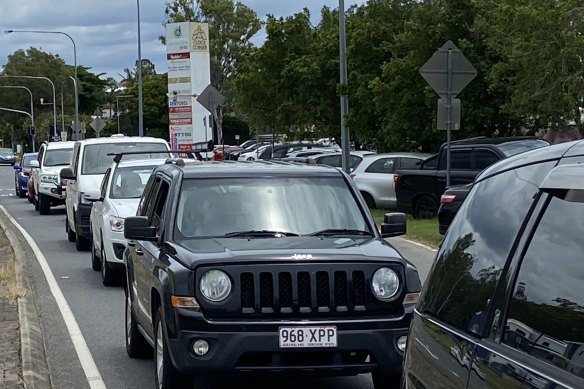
[
  {"x": 394, "y": 224},
  {"x": 137, "y": 228},
  {"x": 34, "y": 164},
  {"x": 67, "y": 174}
]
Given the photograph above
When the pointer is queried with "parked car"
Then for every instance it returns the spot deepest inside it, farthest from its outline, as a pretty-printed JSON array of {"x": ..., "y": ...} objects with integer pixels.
[
  {"x": 22, "y": 173},
  {"x": 48, "y": 187},
  {"x": 450, "y": 203},
  {"x": 374, "y": 176},
  {"x": 334, "y": 159},
  {"x": 118, "y": 197},
  {"x": 91, "y": 159},
  {"x": 254, "y": 154},
  {"x": 284, "y": 150},
  {"x": 7, "y": 156},
  {"x": 418, "y": 189},
  {"x": 505, "y": 293},
  {"x": 264, "y": 268}
]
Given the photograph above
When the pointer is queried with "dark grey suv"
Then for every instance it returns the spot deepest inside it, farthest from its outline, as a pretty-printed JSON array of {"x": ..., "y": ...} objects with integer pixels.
[{"x": 503, "y": 306}]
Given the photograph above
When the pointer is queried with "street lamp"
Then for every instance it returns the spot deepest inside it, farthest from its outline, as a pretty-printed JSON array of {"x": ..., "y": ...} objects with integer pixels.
[
  {"x": 344, "y": 97},
  {"x": 54, "y": 95},
  {"x": 24, "y": 113},
  {"x": 140, "y": 111},
  {"x": 118, "y": 108},
  {"x": 75, "y": 61},
  {"x": 29, "y": 92},
  {"x": 76, "y": 127}
]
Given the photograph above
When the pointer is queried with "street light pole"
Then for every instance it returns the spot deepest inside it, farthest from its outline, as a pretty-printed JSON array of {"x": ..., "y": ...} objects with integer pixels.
[
  {"x": 118, "y": 108},
  {"x": 344, "y": 97},
  {"x": 54, "y": 95},
  {"x": 75, "y": 61},
  {"x": 29, "y": 92},
  {"x": 76, "y": 127},
  {"x": 24, "y": 113},
  {"x": 140, "y": 112}
]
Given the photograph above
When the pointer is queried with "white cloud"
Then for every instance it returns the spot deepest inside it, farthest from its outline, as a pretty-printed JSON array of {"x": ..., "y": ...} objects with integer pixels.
[{"x": 106, "y": 32}]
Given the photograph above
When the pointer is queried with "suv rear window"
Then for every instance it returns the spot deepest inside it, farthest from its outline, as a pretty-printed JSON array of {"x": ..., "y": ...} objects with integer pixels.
[
  {"x": 517, "y": 147},
  {"x": 96, "y": 159},
  {"x": 546, "y": 314}
]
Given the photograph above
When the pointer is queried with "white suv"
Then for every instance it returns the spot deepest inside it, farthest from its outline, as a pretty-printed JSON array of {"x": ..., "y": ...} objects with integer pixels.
[
  {"x": 89, "y": 163},
  {"x": 48, "y": 188},
  {"x": 118, "y": 198}
]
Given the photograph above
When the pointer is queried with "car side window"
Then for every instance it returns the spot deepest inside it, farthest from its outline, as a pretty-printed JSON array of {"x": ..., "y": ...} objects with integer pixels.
[
  {"x": 382, "y": 165},
  {"x": 484, "y": 158},
  {"x": 41, "y": 153},
  {"x": 459, "y": 160},
  {"x": 104, "y": 183},
  {"x": 76, "y": 160},
  {"x": 157, "y": 217},
  {"x": 150, "y": 200},
  {"x": 545, "y": 318},
  {"x": 331, "y": 160},
  {"x": 476, "y": 247},
  {"x": 430, "y": 163},
  {"x": 409, "y": 163}
]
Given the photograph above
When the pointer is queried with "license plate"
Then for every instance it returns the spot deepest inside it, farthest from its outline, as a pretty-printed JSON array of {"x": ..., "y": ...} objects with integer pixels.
[{"x": 305, "y": 337}]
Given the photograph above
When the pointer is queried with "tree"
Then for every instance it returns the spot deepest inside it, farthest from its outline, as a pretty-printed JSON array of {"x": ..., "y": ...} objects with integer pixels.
[{"x": 231, "y": 27}]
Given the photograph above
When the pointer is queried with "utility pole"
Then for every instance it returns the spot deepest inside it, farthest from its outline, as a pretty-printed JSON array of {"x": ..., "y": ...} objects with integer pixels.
[{"x": 344, "y": 98}]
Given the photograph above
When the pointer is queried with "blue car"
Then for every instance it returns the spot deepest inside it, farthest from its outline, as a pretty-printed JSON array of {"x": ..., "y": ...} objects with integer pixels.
[{"x": 22, "y": 173}]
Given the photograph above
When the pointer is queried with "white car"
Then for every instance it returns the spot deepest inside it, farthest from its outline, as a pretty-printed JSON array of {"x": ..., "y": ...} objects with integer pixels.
[
  {"x": 121, "y": 188},
  {"x": 253, "y": 155},
  {"x": 89, "y": 163}
]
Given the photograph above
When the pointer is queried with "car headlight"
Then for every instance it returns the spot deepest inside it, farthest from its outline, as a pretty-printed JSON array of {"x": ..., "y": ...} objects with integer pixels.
[
  {"x": 215, "y": 285},
  {"x": 116, "y": 223},
  {"x": 385, "y": 283},
  {"x": 49, "y": 179}
]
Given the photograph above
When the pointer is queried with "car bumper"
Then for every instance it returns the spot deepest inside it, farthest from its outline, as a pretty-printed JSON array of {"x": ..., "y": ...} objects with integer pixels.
[
  {"x": 7, "y": 161},
  {"x": 114, "y": 246},
  {"x": 53, "y": 191},
  {"x": 255, "y": 349},
  {"x": 82, "y": 222}
]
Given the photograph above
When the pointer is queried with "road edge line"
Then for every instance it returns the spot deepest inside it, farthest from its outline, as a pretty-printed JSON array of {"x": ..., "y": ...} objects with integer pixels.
[
  {"x": 90, "y": 369},
  {"x": 418, "y": 244}
]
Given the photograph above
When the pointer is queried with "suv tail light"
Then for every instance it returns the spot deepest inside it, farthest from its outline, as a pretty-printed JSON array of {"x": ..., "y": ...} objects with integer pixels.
[
  {"x": 26, "y": 174},
  {"x": 446, "y": 199}
]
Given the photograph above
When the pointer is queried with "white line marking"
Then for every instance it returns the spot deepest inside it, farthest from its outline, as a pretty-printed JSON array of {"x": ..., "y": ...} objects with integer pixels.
[
  {"x": 418, "y": 244},
  {"x": 87, "y": 363}
]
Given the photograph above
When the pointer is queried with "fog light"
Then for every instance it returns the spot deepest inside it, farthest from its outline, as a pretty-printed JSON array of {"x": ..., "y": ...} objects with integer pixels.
[
  {"x": 201, "y": 347},
  {"x": 401, "y": 343}
]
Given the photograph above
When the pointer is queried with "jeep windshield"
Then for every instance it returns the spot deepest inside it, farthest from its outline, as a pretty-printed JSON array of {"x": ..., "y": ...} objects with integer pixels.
[
  {"x": 274, "y": 207},
  {"x": 58, "y": 157},
  {"x": 96, "y": 159}
]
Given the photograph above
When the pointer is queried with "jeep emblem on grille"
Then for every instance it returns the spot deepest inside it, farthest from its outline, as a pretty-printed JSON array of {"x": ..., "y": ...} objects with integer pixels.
[{"x": 301, "y": 256}]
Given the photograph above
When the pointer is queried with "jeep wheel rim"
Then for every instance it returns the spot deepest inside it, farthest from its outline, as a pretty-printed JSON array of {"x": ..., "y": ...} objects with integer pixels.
[
  {"x": 128, "y": 319},
  {"x": 159, "y": 355}
]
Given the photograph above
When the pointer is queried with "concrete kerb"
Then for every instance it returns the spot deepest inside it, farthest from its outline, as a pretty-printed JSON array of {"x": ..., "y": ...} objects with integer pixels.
[{"x": 35, "y": 369}]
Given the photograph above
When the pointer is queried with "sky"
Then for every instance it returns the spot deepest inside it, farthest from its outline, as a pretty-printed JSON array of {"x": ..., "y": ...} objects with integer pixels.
[{"x": 106, "y": 33}]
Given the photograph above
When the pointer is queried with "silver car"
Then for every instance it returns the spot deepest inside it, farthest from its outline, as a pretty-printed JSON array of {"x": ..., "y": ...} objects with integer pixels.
[{"x": 374, "y": 176}]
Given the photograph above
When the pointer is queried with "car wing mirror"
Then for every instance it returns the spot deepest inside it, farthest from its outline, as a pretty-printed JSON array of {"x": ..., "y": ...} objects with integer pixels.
[
  {"x": 138, "y": 228},
  {"x": 34, "y": 164},
  {"x": 17, "y": 166},
  {"x": 93, "y": 196},
  {"x": 67, "y": 174},
  {"x": 394, "y": 224}
]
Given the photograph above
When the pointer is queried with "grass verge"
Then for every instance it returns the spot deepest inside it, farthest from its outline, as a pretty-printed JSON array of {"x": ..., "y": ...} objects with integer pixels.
[
  {"x": 9, "y": 289},
  {"x": 420, "y": 230}
]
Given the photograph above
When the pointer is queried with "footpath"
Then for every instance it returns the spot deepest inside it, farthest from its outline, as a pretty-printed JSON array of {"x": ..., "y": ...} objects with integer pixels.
[{"x": 23, "y": 364}]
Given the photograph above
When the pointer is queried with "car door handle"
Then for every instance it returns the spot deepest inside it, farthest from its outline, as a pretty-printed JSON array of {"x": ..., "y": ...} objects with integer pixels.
[{"x": 139, "y": 252}]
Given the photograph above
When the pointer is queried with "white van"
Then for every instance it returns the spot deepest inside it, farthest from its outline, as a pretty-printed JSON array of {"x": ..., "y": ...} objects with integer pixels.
[{"x": 89, "y": 163}]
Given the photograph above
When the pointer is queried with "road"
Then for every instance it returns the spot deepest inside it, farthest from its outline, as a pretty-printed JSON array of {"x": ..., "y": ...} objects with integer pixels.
[{"x": 99, "y": 311}]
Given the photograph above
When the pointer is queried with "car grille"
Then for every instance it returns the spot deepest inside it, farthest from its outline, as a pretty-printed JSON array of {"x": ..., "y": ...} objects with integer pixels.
[{"x": 301, "y": 290}]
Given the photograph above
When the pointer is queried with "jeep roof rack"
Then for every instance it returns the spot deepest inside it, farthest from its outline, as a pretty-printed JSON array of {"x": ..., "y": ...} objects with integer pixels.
[
  {"x": 118, "y": 156},
  {"x": 175, "y": 161}
]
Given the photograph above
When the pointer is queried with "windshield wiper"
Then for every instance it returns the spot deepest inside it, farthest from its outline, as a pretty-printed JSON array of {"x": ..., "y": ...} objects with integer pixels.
[
  {"x": 340, "y": 231},
  {"x": 259, "y": 233}
]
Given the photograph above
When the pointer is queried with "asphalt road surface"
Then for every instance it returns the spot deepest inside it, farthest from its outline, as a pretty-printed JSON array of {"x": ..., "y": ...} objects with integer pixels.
[{"x": 99, "y": 310}]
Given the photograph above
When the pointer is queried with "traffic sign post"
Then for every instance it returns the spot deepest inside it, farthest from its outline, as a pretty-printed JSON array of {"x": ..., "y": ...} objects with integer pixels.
[{"x": 448, "y": 72}]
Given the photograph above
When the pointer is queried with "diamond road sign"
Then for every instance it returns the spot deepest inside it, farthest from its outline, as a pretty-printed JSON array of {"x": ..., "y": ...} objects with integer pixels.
[
  {"x": 97, "y": 124},
  {"x": 210, "y": 98},
  {"x": 435, "y": 71}
]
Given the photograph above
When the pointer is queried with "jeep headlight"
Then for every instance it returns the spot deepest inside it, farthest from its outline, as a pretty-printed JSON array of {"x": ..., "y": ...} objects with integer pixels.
[
  {"x": 49, "y": 179},
  {"x": 215, "y": 285},
  {"x": 116, "y": 224},
  {"x": 385, "y": 283}
]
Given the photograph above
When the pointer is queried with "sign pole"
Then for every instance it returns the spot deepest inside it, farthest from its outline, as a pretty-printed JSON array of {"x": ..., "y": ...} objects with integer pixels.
[{"x": 449, "y": 122}]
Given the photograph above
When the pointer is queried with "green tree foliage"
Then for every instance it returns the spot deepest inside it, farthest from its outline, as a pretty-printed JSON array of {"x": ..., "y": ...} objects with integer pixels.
[{"x": 231, "y": 27}]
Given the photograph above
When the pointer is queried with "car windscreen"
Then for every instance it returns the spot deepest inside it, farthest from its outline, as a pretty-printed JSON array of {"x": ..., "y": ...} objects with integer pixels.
[
  {"x": 26, "y": 160},
  {"x": 6, "y": 152},
  {"x": 96, "y": 159},
  {"x": 58, "y": 157},
  {"x": 129, "y": 182},
  {"x": 518, "y": 147},
  {"x": 292, "y": 205}
]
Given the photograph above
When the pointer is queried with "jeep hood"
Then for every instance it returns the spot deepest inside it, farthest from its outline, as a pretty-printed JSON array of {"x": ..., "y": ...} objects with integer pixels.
[
  {"x": 125, "y": 207},
  {"x": 194, "y": 252}
]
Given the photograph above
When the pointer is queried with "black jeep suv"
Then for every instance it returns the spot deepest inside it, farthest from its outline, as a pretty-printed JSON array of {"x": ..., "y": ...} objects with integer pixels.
[
  {"x": 264, "y": 267},
  {"x": 503, "y": 306}
]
